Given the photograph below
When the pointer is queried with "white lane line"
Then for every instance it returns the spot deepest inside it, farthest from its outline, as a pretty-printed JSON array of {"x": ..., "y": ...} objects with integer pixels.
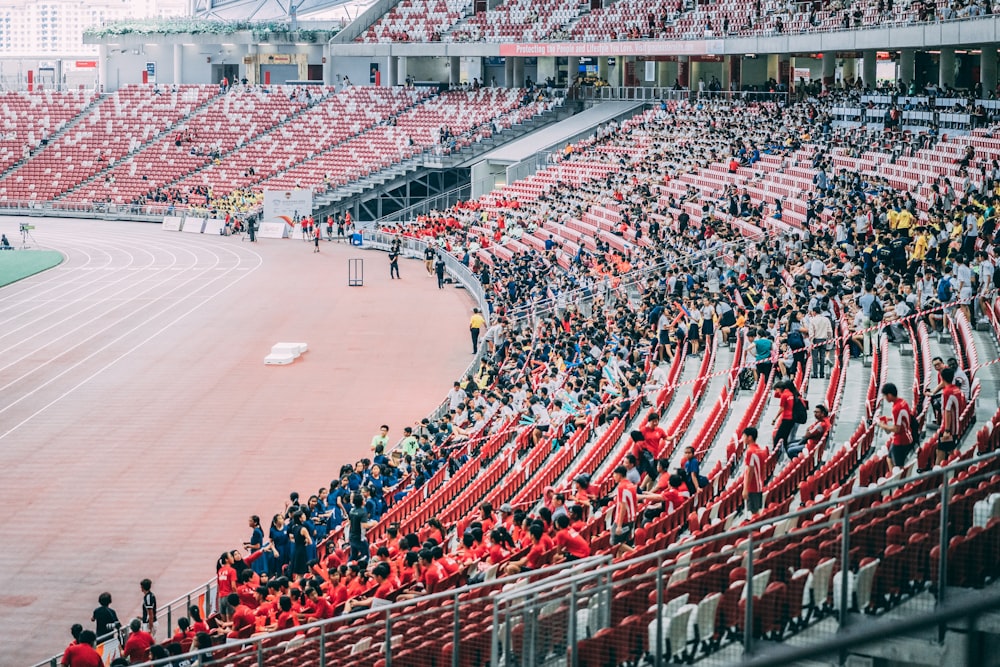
[
  {"x": 121, "y": 356},
  {"x": 109, "y": 344}
]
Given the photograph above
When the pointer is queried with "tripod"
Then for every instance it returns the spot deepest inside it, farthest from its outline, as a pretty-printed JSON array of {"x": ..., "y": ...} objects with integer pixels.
[{"x": 26, "y": 234}]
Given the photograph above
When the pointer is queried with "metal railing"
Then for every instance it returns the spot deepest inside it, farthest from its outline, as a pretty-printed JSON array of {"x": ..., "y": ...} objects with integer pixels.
[
  {"x": 391, "y": 631},
  {"x": 658, "y": 93},
  {"x": 747, "y": 584},
  {"x": 438, "y": 202}
]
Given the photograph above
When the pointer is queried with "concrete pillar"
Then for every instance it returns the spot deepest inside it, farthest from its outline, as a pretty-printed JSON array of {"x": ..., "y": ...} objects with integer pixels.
[
  {"x": 59, "y": 74},
  {"x": 946, "y": 68},
  {"x": 178, "y": 64},
  {"x": 988, "y": 70},
  {"x": 684, "y": 70},
  {"x": 508, "y": 72},
  {"x": 454, "y": 70},
  {"x": 663, "y": 79},
  {"x": 602, "y": 67},
  {"x": 102, "y": 68},
  {"x": 572, "y": 69},
  {"x": 518, "y": 72},
  {"x": 773, "y": 69},
  {"x": 868, "y": 69},
  {"x": 906, "y": 57},
  {"x": 401, "y": 71},
  {"x": 850, "y": 67},
  {"x": 391, "y": 71},
  {"x": 328, "y": 73},
  {"x": 829, "y": 69}
]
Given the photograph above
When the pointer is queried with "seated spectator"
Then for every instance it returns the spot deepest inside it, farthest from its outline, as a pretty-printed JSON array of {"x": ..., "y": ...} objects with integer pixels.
[{"x": 815, "y": 434}]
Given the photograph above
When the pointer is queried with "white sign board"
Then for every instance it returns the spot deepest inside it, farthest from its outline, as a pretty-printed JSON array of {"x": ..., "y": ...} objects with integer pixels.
[
  {"x": 192, "y": 225},
  {"x": 214, "y": 226},
  {"x": 650, "y": 70},
  {"x": 285, "y": 205},
  {"x": 172, "y": 223},
  {"x": 272, "y": 230}
]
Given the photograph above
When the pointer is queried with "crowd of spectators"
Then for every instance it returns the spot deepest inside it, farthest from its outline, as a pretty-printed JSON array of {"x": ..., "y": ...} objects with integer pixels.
[{"x": 581, "y": 330}]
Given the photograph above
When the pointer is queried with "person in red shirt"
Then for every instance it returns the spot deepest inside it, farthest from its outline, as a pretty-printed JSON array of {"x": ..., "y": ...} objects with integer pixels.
[
  {"x": 197, "y": 624},
  {"x": 226, "y": 578},
  {"x": 317, "y": 608},
  {"x": 653, "y": 440},
  {"x": 537, "y": 557},
  {"x": 384, "y": 591},
  {"x": 901, "y": 443},
  {"x": 431, "y": 572},
  {"x": 670, "y": 497},
  {"x": 571, "y": 545},
  {"x": 624, "y": 510},
  {"x": 814, "y": 435},
  {"x": 952, "y": 407},
  {"x": 75, "y": 631},
  {"x": 137, "y": 645},
  {"x": 753, "y": 471},
  {"x": 782, "y": 435},
  {"x": 184, "y": 636},
  {"x": 242, "y": 620},
  {"x": 83, "y": 653},
  {"x": 286, "y": 618}
]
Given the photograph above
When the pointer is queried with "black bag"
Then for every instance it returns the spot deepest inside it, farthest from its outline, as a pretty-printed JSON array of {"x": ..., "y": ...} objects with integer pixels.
[
  {"x": 795, "y": 340},
  {"x": 875, "y": 311},
  {"x": 800, "y": 411},
  {"x": 747, "y": 379},
  {"x": 915, "y": 431}
]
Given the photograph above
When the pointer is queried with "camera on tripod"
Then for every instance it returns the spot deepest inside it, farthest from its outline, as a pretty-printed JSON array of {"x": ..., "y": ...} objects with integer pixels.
[{"x": 24, "y": 227}]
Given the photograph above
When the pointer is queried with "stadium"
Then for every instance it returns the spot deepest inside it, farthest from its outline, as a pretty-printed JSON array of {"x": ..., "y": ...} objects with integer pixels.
[{"x": 687, "y": 352}]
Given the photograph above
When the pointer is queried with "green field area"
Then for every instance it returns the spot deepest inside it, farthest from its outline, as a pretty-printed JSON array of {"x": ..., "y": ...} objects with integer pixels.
[{"x": 18, "y": 264}]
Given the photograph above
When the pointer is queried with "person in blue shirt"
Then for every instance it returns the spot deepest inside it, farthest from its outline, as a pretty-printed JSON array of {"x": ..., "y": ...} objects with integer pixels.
[
  {"x": 260, "y": 564},
  {"x": 280, "y": 546},
  {"x": 760, "y": 347}
]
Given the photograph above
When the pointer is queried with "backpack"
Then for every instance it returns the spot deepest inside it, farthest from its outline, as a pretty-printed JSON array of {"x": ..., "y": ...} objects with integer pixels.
[
  {"x": 795, "y": 340},
  {"x": 875, "y": 311},
  {"x": 800, "y": 411}
]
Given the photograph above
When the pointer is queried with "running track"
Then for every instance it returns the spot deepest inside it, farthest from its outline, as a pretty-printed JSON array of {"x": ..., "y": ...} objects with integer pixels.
[{"x": 139, "y": 427}]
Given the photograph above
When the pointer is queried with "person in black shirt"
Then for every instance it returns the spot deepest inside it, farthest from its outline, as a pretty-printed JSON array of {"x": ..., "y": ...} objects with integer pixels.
[
  {"x": 394, "y": 263},
  {"x": 104, "y": 617},
  {"x": 148, "y": 606},
  {"x": 359, "y": 522}
]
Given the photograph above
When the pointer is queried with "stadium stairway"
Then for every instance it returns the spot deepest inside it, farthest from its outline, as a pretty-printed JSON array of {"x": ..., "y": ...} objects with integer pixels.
[
  {"x": 75, "y": 120},
  {"x": 400, "y": 171}
]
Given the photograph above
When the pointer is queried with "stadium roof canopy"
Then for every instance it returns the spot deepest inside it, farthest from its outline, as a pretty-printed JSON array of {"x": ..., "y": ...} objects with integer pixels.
[{"x": 272, "y": 10}]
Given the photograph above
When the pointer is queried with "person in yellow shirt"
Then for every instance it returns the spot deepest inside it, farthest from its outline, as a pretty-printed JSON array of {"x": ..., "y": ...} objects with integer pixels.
[
  {"x": 476, "y": 325},
  {"x": 919, "y": 247},
  {"x": 893, "y": 218},
  {"x": 904, "y": 221}
]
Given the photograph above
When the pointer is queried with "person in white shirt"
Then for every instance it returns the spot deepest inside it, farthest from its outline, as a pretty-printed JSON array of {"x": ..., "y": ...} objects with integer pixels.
[
  {"x": 456, "y": 396},
  {"x": 542, "y": 420},
  {"x": 820, "y": 331}
]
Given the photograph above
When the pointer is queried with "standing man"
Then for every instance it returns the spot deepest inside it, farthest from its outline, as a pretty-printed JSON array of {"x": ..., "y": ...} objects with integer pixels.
[
  {"x": 952, "y": 407},
  {"x": 329, "y": 228},
  {"x": 476, "y": 325},
  {"x": 359, "y": 522},
  {"x": 820, "y": 331},
  {"x": 252, "y": 228},
  {"x": 429, "y": 259},
  {"x": 901, "y": 443},
  {"x": 394, "y": 262},
  {"x": 624, "y": 512},
  {"x": 148, "y": 606},
  {"x": 753, "y": 471},
  {"x": 439, "y": 270},
  {"x": 317, "y": 234}
]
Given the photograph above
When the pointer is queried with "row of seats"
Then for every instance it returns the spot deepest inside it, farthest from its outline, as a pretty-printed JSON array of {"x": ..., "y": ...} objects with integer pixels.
[
  {"x": 112, "y": 129},
  {"x": 27, "y": 119}
]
